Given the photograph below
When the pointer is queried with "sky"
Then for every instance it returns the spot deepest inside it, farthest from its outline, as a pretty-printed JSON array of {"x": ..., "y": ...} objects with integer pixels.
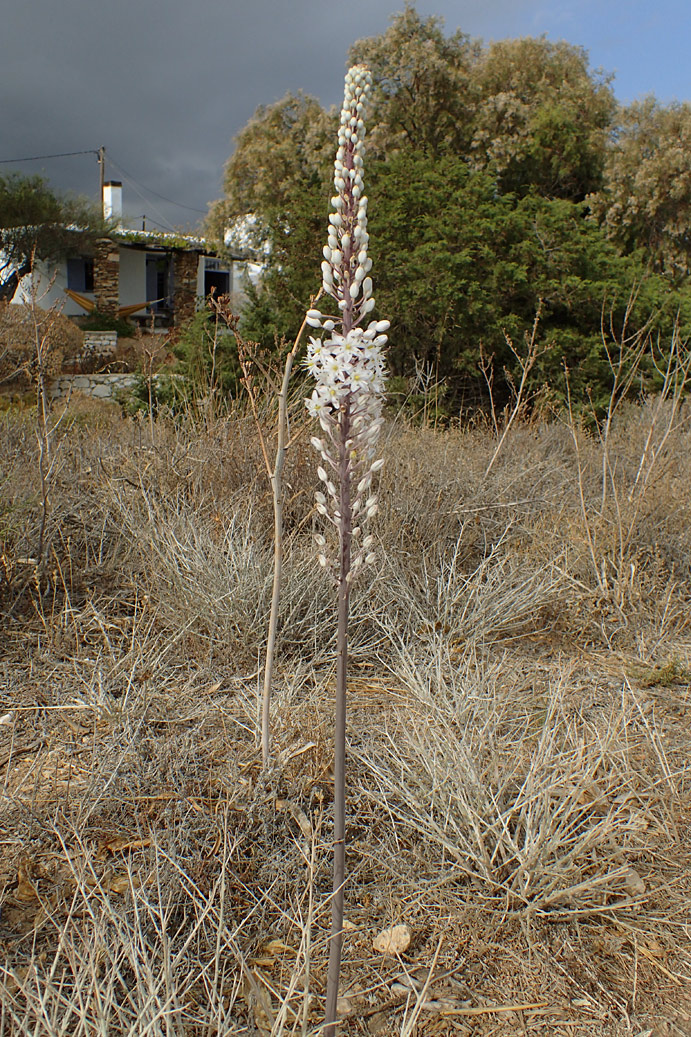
[{"x": 165, "y": 85}]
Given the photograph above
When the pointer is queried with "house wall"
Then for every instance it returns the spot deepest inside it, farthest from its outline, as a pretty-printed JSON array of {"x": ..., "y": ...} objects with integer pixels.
[
  {"x": 200, "y": 276},
  {"x": 238, "y": 281},
  {"x": 237, "y": 271},
  {"x": 132, "y": 277},
  {"x": 185, "y": 281},
  {"x": 107, "y": 276},
  {"x": 49, "y": 284}
]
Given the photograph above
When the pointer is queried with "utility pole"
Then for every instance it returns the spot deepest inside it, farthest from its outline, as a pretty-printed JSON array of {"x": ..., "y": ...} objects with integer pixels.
[{"x": 102, "y": 168}]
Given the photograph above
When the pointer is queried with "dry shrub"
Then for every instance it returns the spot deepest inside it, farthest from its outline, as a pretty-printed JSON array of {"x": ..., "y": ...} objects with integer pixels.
[
  {"x": 20, "y": 327},
  {"x": 540, "y": 808},
  {"x": 518, "y": 739}
]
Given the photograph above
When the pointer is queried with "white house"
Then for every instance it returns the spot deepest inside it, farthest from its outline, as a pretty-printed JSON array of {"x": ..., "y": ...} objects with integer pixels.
[{"x": 137, "y": 273}]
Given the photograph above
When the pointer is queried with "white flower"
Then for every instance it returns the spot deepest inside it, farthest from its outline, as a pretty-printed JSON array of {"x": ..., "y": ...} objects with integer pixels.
[{"x": 348, "y": 365}]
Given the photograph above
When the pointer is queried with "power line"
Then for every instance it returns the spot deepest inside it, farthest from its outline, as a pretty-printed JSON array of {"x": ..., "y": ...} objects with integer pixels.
[
  {"x": 147, "y": 201},
  {"x": 150, "y": 190},
  {"x": 93, "y": 151},
  {"x": 39, "y": 158}
]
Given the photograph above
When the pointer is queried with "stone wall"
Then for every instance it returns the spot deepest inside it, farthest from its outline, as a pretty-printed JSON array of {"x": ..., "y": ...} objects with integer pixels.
[
  {"x": 185, "y": 269},
  {"x": 100, "y": 386},
  {"x": 99, "y": 345},
  {"x": 107, "y": 276}
]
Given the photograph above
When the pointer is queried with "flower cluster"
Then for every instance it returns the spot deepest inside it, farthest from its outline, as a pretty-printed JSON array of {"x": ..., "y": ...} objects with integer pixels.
[{"x": 348, "y": 363}]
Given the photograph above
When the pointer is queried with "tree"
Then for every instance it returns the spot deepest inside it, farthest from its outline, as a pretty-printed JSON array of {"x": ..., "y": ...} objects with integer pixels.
[
  {"x": 646, "y": 198},
  {"x": 542, "y": 118},
  {"x": 423, "y": 88},
  {"x": 483, "y": 165},
  {"x": 282, "y": 149},
  {"x": 37, "y": 224},
  {"x": 460, "y": 265},
  {"x": 530, "y": 111},
  {"x": 276, "y": 197}
]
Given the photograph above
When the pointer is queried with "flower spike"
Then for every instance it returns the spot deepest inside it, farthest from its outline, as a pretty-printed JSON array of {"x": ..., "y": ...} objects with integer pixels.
[{"x": 348, "y": 364}]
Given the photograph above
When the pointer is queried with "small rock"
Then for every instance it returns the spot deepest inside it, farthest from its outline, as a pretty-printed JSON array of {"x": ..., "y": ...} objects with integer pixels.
[
  {"x": 633, "y": 883},
  {"x": 344, "y": 1006},
  {"x": 392, "y": 941}
]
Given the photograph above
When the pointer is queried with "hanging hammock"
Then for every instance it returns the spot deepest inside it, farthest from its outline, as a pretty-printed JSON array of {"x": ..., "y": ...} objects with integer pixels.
[{"x": 123, "y": 311}]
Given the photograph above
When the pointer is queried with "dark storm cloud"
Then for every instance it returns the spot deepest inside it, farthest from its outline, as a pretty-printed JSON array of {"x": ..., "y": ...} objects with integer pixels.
[
  {"x": 166, "y": 84},
  {"x": 163, "y": 84}
]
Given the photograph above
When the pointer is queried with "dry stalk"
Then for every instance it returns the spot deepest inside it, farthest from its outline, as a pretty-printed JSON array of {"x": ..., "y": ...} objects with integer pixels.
[
  {"x": 526, "y": 362},
  {"x": 275, "y": 474}
]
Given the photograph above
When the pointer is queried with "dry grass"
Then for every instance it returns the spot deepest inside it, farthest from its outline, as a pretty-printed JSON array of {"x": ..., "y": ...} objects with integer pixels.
[
  {"x": 519, "y": 743},
  {"x": 19, "y": 327}
]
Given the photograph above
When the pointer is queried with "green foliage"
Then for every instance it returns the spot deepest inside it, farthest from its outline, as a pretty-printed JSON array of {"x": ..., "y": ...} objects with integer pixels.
[
  {"x": 500, "y": 180},
  {"x": 424, "y": 92},
  {"x": 155, "y": 394},
  {"x": 646, "y": 198},
  {"x": 462, "y": 266},
  {"x": 207, "y": 358},
  {"x": 205, "y": 377},
  {"x": 542, "y": 118},
  {"x": 284, "y": 147},
  {"x": 529, "y": 111},
  {"x": 97, "y": 321},
  {"x": 276, "y": 307},
  {"x": 36, "y": 223}
]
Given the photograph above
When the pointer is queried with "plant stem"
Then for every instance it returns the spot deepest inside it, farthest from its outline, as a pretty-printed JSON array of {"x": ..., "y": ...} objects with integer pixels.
[
  {"x": 336, "y": 939},
  {"x": 276, "y": 477},
  {"x": 277, "y": 488}
]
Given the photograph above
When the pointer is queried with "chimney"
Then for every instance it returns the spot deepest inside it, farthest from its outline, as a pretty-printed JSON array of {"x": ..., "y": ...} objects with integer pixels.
[{"x": 112, "y": 201}]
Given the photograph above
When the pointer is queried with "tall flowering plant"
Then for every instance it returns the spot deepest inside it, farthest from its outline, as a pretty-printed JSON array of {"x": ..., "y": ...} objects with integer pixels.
[{"x": 347, "y": 364}]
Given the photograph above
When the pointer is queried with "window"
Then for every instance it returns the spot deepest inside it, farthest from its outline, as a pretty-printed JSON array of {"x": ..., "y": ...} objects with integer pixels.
[
  {"x": 80, "y": 274},
  {"x": 216, "y": 278}
]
